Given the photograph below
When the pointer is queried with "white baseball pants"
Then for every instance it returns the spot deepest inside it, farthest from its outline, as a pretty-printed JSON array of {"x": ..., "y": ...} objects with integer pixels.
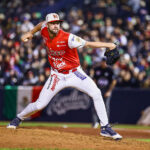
[{"x": 58, "y": 81}]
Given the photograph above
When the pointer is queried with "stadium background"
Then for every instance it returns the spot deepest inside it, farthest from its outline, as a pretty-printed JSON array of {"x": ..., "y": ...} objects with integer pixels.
[{"x": 25, "y": 66}]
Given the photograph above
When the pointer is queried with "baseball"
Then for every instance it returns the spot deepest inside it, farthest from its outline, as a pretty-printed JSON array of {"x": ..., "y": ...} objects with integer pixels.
[{"x": 25, "y": 40}]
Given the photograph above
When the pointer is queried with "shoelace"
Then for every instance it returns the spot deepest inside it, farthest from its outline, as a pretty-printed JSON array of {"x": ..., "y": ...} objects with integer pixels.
[{"x": 109, "y": 128}]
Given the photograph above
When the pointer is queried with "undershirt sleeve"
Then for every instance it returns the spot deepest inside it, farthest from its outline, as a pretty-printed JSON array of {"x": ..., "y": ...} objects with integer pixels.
[{"x": 75, "y": 41}]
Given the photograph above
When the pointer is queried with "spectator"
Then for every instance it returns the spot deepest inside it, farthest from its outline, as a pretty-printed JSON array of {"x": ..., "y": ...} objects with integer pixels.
[
  {"x": 31, "y": 79},
  {"x": 109, "y": 20},
  {"x": 106, "y": 81}
]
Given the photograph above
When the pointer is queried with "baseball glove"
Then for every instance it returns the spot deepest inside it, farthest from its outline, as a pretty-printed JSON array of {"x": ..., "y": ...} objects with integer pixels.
[{"x": 112, "y": 56}]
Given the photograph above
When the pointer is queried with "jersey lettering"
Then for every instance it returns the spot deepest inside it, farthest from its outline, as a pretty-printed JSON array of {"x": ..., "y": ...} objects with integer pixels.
[
  {"x": 56, "y": 53},
  {"x": 55, "y": 81},
  {"x": 80, "y": 75},
  {"x": 60, "y": 55}
]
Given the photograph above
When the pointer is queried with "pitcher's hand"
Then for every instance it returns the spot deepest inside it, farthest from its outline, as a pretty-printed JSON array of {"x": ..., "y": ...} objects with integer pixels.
[
  {"x": 113, "y": 46},
  {"x": 27, "y": 36}
]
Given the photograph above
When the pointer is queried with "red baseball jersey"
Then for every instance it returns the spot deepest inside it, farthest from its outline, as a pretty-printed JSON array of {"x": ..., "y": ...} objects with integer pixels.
[{"x": 62, "y": 49}]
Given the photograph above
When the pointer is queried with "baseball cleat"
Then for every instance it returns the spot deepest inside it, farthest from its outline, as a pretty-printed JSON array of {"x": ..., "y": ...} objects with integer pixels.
[
  {"x": 107, "y": 131},
  {"x": 14, "y": 123}
]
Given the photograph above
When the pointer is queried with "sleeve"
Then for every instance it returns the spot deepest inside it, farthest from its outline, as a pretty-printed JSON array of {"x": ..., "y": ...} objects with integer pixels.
[{"x": 75, "y": 41}]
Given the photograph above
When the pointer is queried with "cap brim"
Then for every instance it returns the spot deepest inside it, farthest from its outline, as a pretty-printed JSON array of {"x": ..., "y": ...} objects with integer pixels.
[{"x": 56, "y": 21}]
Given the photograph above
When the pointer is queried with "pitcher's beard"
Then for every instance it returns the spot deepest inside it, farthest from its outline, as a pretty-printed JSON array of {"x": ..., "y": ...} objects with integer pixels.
[{"x": 53, "y": 32}]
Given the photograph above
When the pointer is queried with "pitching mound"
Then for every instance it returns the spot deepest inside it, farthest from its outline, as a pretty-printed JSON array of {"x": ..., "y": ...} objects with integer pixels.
[{"x": 71, "y": 138}]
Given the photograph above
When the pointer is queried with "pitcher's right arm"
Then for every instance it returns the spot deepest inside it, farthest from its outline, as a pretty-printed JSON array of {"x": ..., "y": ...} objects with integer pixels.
[{"x": 29, "y": 35}]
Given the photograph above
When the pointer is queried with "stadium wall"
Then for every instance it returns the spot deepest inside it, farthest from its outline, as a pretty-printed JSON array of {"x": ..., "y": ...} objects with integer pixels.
[{"x": 71, "y": 105}]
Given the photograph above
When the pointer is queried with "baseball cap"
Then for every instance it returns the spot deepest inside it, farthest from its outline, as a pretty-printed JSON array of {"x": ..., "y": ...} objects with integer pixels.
[{"x": 52, "y": 17}]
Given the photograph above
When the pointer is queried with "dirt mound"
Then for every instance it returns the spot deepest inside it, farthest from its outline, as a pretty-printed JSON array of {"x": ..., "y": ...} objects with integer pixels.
[{"x": 70, "y": 138}]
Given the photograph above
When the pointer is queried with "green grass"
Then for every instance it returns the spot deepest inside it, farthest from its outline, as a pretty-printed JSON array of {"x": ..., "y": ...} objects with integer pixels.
[
  {"x": 49, "y": 124},
  {"x": 129, "y": 126},
  {"x": 144, "y": 140},
  {"x": 75, "y": 125}
]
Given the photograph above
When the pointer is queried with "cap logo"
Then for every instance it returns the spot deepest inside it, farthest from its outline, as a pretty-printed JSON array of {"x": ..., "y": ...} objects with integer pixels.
[
  {"x": 55, "y": 16},
  {"x": 52, "y": 17}
]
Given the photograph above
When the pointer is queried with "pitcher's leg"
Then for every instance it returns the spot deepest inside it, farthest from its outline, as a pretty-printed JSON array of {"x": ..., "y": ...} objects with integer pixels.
[
  {"x": 85, "y": 84},
  {"x": 45, "y": 96},
  {"x": 41, "y": 102},
  {"x": 51, "y": 87},
  {"x": 98, "y": 103}
]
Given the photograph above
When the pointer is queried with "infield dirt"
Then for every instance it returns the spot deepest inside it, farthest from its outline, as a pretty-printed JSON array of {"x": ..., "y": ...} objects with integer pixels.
[{"x": 71, "y": 138}]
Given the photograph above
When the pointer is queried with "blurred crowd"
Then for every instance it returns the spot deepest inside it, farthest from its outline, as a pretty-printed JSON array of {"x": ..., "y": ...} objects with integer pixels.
[{"x": 95, "y": 20}]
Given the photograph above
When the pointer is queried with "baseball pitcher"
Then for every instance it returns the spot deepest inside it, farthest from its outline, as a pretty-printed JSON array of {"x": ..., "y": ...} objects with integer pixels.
[{"x": 65, "y": 71}]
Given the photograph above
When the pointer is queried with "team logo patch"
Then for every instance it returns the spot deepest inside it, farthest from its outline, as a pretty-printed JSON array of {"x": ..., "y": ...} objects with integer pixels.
[
  {"x": 80, "y": 75},
  {"x": 78, "y": 39},
  {"x": 53, "y": 82},
  {"x": 55, "y": 16},
  {"x": 72, "y": 38}
]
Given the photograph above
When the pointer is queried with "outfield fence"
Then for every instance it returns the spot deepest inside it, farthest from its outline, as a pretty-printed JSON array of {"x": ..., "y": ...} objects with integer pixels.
[{"x": 71, "y": 105}]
